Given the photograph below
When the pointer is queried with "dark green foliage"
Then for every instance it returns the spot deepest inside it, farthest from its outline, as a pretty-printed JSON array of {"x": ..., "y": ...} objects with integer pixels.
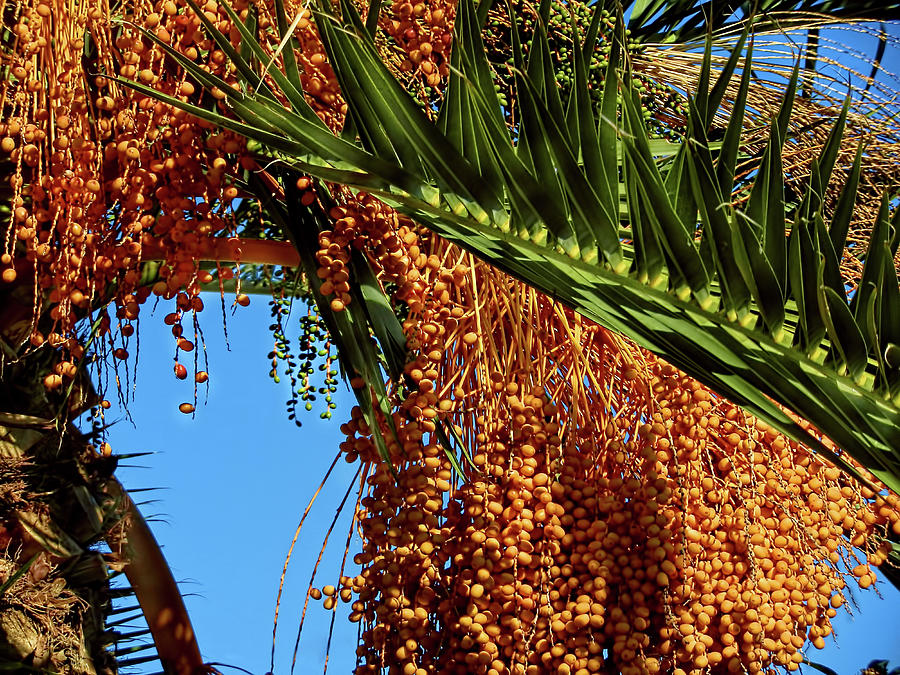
[
  {"x": 685, "y": 20},
  {"x": 310, "y": 368},
  {"x": 662, "y": 108}
]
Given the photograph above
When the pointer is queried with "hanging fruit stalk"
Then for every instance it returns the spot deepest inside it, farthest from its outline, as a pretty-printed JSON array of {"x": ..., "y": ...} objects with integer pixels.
[{"x": 642, "y": 525}]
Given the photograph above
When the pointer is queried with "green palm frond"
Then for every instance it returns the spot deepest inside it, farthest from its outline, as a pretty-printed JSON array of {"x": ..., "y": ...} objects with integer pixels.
[{"x": 574, "y": 201}]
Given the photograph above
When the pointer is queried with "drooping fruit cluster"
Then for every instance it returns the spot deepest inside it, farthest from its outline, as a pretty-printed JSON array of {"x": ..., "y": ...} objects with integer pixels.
[
  {"x": 362, "y": 223},
  {"x": 423, "y": 32},
  {"x": 300, "y": 365},
  {"x": 104, "y": 178},
  {"x": 641, "y": 526}
]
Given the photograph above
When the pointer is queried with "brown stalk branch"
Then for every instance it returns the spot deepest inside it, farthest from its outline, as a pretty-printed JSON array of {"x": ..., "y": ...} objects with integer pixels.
[
  {"x": 155, "y": 588},
  {"x": 249, "y": 251}
]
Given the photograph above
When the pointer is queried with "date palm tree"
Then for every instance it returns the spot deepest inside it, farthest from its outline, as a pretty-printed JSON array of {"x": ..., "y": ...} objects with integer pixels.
[{"x": 701, "y": 246}]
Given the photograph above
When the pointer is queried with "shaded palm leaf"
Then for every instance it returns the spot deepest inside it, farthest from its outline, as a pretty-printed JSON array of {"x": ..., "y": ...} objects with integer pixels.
[{"x": 681, "y": 20}]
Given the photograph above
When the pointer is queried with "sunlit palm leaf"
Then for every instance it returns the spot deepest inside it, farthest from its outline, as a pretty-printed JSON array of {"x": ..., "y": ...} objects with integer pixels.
[{"x": 746, "y": 311}]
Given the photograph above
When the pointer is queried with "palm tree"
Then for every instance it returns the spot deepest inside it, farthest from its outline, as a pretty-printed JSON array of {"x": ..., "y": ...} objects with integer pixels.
[
  {"x": 679, "y": 242},
  {"x": 753, "y": 248}
]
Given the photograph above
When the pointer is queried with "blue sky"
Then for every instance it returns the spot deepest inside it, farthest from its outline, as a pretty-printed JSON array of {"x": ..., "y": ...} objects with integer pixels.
[{"x": 236, "y": 480}]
